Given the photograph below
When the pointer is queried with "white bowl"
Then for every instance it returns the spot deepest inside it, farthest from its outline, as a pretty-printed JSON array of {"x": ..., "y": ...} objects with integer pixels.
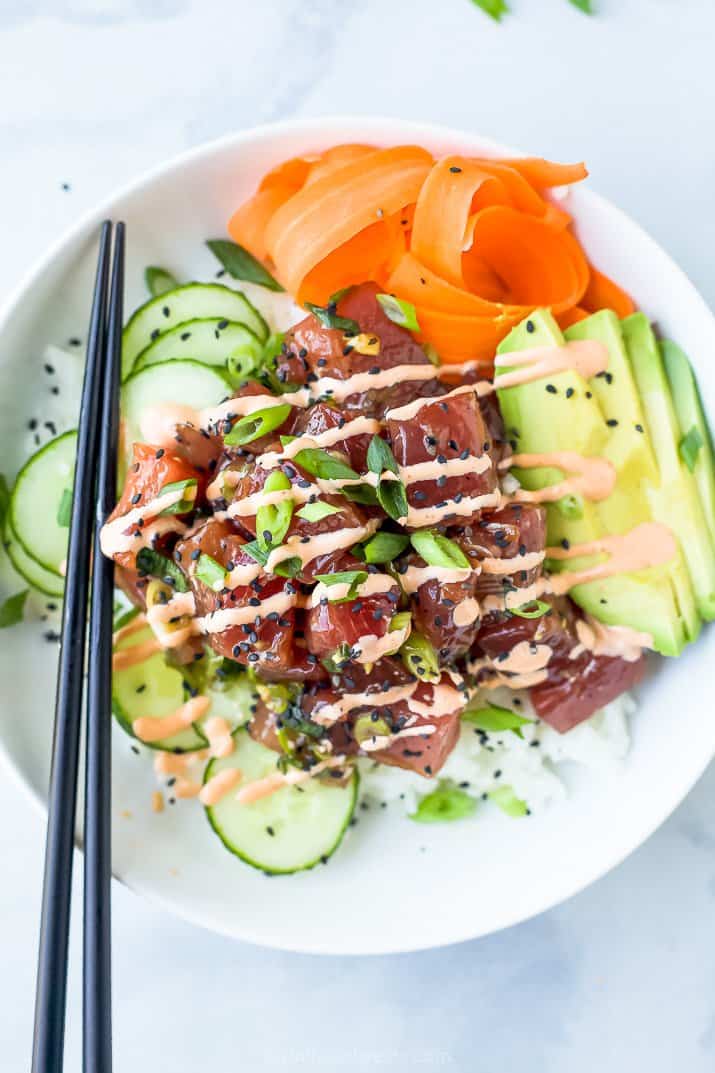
[{"x": 394, "y": 885}]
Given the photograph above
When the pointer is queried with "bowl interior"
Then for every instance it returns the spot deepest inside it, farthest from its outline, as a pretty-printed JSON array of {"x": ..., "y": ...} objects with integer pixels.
[{"x": 448, "y": 882}]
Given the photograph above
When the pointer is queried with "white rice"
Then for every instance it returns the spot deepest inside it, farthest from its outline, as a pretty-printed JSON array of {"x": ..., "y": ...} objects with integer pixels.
[{"x": 530, "y": 765}]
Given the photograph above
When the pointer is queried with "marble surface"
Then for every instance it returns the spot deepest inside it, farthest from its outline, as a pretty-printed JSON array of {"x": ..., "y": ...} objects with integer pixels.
[{"x": 93, "y": 92}]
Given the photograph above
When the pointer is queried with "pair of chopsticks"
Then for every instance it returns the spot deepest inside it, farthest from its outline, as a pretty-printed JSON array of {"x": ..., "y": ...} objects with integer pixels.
[{"x": 88, "y": 575}]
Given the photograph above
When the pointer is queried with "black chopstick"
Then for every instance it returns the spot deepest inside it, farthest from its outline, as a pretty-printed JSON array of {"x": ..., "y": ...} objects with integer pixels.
[
  {"x": 51, "y": 993},
  {"x": 97, "y": 977}
]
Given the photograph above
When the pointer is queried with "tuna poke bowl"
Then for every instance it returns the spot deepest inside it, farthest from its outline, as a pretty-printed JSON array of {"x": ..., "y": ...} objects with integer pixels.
[{"x": 414, "y": 497}]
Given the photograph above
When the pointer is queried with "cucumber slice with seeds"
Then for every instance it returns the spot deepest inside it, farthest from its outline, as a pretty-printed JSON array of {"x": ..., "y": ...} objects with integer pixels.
[
  {"x": 293, "y": 829},
  {"x": 187, "y": 383},
  {"x": 151, "y": 689},
  {"x": 35, "y": 501},
  {"x": 211, "y": 341},
  {"x": 191, "y": 302},
  {"x": 35, "y": 575}
]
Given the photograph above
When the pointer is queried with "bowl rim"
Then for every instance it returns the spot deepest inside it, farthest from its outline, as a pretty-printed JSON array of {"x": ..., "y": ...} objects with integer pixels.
[{"x": 387, "y": 128}]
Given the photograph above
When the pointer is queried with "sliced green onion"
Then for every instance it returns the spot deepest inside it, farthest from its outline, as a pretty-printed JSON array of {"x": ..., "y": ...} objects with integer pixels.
[
  {"x": 399, "y": 311},
  {"x": 254, "y": 549},
  {"x": 494, "y": 8},
  {"x": 431, "y": 354},
  {"x": 584, "y": 5},
  {"x": 64, "y": 510},
  {"x": 274, "y": 518},
  {"x": 244, "y": 360},
  {"x": 152, "y": 563},
  {"x": 438, "y": 550},
  {"x": 336, "y": 661},
  {"x": 689, "y": 447},
  {"x": 538, "y": 609},
  {"x": 12, "y": 609},
  {"x": 445, "y": 804},
  {"x": 273, "y": 346},
  {"x": 186, "y": 503},
  {"x": 293, "y": 720},
  {"x": 159, "y": 280},
  {"x": 385, "y": 547},
  {"x": 571, "y": 506},
  {"x": 420, "y": 658},
  {"x": 364, "y": 494},
  {"x": 352, "y": 578},
  {"x": 285, "y": 440},
  {"x": 380, "y": 457},
  {"x": 391, "y": 494},
  {"x": 493, "y": 719},
  {"x": 315, "y": 512},
  {"x": 508, "y": 802},
  {"x": 288, "y": 567},
  {"x": 366, "y": 728},
  {"x": 257, "y": 424},
  {"x": 329, "y": 318},
  {"x": 339, "y": 295},
  {"x": 211, "y": 573},
  {"x": 400, "y": 621},
  {"x": 322, "y": 465},
  {"x": 392, "y": 497},
  {"x": 241, "y": 264}
]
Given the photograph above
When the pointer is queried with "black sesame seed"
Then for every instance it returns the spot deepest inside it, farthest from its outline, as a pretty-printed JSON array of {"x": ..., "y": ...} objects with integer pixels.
[
  {"x": 552, "y": 389},
  {"x": 569, "y": 392},
  {"x": 612, "y": 422},
  {"x": 530, "y": 327}
]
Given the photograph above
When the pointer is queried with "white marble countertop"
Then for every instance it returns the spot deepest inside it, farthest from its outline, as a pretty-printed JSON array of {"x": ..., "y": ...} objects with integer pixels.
[{"x": 94, "y": 91}]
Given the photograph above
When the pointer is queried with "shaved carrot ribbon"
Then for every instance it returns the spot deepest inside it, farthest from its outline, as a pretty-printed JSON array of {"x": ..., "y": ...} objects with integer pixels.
[
  {"x": 603, "y": 293},
  {"x": 474, "y": 243}
]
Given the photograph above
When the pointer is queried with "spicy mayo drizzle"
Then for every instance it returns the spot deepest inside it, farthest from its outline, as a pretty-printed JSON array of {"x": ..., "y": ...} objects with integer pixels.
[
  {"x": 592, "y": 477},
  {"x": 648, "y": 545}
]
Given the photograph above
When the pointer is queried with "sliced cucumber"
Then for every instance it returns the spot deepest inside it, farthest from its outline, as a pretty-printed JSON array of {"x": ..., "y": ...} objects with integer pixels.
[
  {"x": 233, "y": 699},
  {"x": 211, "y": 341},
  {"x": 35, "y": 501},
  {"x": 193, "y": 301},
  {"x": 35, "y": 575},
  {"x": 151, "y": 689},
  {"x": 187, "y": 383},
  {"x": 289, "y": 831}
]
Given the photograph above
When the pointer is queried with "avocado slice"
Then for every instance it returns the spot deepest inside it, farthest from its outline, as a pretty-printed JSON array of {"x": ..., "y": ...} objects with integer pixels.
[
  {"x": 690, "y": 414},
  {"x": 675, "y": 500},
  {"x": 541, "y": 420},
  {"x": 631, "y": 451}
]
